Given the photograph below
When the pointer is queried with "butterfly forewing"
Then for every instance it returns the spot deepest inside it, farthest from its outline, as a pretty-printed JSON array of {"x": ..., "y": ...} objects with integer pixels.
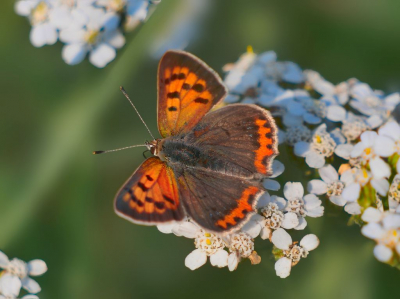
[
  {"x": 187, "y": 90},
  {"x": 150, "y": 196}
]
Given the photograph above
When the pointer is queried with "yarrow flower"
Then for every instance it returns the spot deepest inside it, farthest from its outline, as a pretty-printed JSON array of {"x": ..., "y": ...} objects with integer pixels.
[
  {"x": 384, "y": 228},
  {"x": 207, "y": 244},
  {"x": 322, "y": 146},
  {"x": 289, "y": 253},
  {"x": 85, "y": 26},
  {"x": 345, "y": 132},
  {"x": 16, "y": 275},
  {"x": 10, "y": 287},
  {"x": 330, "y": 185}
]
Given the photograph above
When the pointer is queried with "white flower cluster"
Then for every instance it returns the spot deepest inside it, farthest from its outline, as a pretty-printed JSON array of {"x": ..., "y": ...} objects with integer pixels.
[
  {"x": 86, "y": 27},
  {"x": 275, "y": 216},
  {"x": 15, "y": 275},
  {"x": 345, "y": 132}
]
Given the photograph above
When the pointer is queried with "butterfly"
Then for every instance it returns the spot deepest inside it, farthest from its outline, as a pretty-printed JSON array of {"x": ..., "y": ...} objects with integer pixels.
[{"x": 209, "y": 164}]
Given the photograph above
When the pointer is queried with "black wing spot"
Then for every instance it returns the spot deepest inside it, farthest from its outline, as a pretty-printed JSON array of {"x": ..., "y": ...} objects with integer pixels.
[
  {"x": 172, "y": 108},
  {"x": 170, "y": 200},
  {"x": 172, "y": 95},
  {"x": 149, "y": 178},
  {"x": 186, "y": 86},
  {"x": 174, "y": 77},
  {"x": 159, "y": 205},
  {"x": 166, "y": 81},
  {"x": 237, "y": 219},
  {"x": 181, "y": 76},
  {"x": 198, "y": 87},
  {"x": 149, "y": 199},
  {"x": 138, "y": 202},
  {"x": 142, "y": 186},
  {"x": 201, "y": 101}
]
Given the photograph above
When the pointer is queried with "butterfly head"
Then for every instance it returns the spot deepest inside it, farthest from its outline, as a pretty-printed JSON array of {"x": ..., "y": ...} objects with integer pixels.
[{"x": 152, "y": 146}]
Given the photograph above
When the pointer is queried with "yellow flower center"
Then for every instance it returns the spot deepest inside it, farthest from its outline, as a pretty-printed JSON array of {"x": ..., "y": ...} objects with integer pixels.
[
  {"x": 368, "y": 150},
  {"x": 391, "y": 238},
  {"x": 365, "y": 173},
  {"x": 92, "y": 36},
  {"x": 208, "y": 241},
  {"x": 207, "y": 235},
  {"x": 318, "y": 138},
  {"x": 250, "y": 49},
  {"x": 40, "y": 13},
  {"x": 117, "y": 5}
]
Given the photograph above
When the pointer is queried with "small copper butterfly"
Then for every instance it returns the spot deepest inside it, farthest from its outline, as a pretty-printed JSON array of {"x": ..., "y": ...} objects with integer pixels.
[{"x": 208, "y": 165}]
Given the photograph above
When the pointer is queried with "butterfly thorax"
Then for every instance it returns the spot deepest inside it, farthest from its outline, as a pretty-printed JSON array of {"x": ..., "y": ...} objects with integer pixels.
[{"x": 176, "y": 151}]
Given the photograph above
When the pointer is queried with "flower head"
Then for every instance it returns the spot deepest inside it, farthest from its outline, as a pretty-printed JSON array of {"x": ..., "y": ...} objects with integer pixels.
[
  {"x": 291, "y": 253},
  {"x": 21, "y": 270}
]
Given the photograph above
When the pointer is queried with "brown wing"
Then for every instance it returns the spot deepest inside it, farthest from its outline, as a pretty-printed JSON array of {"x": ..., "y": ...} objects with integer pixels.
[
  {"x": 216, "y": 201},
  {"x": 150, "y": 195},
  {"x": 187, "y": 90},
  {"x": 241, "y": 139}
]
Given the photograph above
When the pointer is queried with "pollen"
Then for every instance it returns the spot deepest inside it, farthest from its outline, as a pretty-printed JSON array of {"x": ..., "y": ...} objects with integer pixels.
[
  {"x": 365, "y": 173},
  {"x": 250, "y": 49},
  {"x": 40, "y": 13},
  {"x": 92, "y": 36},
  {"x": 208, "y": 241},
  {"x": 208, "y": 235},
  {"x": 117, "y": 5},
  {"x": 368, "y": 150},
  {"x": 318, "y": 138}
]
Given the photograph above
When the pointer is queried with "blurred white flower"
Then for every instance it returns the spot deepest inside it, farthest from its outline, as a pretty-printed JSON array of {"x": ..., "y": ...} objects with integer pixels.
[
  {"x": 292, "y": 252},
  {"x": 44, "y": 18},
  {"x": 277, "y": 169},
  {"x": 295, "y": 134},
  {"x": 10, "y": 287},
  {"x": 86, "y": 26},
  {"x": 22, "y": 271},
  {"x": 185, "y": 25},
  {"x": 286, "y": 71},
  {"x": 353, "y": 126},
  {"x": 384, "y": 228},
  {"x": 394, "y": 193},
  {"x": 369, "y": 102},
  {"x": 100, "y": 37}
]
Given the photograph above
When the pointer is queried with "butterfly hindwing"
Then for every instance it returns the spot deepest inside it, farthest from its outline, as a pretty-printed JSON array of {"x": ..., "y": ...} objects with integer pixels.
[
  {"x": 241, "y": 138},
  {"x": 187, "y": 90},
  {"x": 150, "y": 195},
  {"x": 216, "y": 201}
]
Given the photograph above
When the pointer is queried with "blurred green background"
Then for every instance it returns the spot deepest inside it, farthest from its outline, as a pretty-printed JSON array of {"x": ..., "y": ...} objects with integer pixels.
[{"x": 56, "y": 198}]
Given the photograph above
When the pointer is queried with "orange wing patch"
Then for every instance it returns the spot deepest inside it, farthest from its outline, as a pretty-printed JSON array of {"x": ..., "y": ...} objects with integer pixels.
[
  {"x": 151, "y": 195},
  {"x": 243, "y": 208},
  {"x": 265, "y": 150},
  {"x": 187, "y": 90}
]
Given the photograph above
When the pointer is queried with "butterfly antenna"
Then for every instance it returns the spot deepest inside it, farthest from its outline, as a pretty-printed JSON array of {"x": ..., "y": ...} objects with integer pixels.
[
  {"x": 117, "y": 149},
  {"x": 126, "y": 95}
]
